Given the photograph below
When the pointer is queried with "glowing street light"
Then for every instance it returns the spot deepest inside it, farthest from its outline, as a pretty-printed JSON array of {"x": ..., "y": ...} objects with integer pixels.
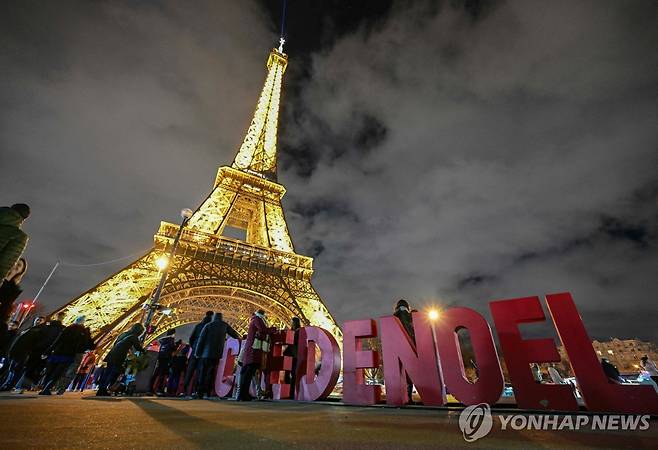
[
  {"x": 433, "y": 314},
  {"x": 162, "y": 262}
]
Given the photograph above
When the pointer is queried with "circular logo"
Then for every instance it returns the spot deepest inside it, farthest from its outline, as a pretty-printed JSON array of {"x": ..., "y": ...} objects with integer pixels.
[{"x": 475, "y": 422}]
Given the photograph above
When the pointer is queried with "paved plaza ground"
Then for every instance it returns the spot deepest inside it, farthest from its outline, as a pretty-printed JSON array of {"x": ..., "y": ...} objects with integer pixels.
[{"x": 83, "y": 421}]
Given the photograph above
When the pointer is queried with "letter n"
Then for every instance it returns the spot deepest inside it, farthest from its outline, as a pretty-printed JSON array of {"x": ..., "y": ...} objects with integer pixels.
[{"x": 402, "y": 358}]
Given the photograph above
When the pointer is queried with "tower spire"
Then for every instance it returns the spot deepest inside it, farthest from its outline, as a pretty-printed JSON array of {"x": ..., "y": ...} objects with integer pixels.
[{"x": 257, "y": 153}]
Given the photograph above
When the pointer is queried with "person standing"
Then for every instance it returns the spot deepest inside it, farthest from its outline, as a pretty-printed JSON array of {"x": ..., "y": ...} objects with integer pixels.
[
  {"x": 74, "y": 339},
  {"x": 177, "y": 368},
  {"x": 403, "y": 312},
  {"x": 117, "y": 357},
  {"x": 253, "y": 353},
  {"x": 555, "y": 375},
  {"x": 192, "y": 361},
  {"x": 96, "y": 376},
  {"x": 209, "y": 349},
  {"x": 85, "y": 367},
  {"x": 291, "y": 350},
  {"x": 13, "y": 240},
  {"x": 66, "y": 380},
  {"x": 7, "y": 338},
  {"x": 19, "y": 352},
  {"x": 9, "y": 292},
  {"x": 165, "y": 353},
  {"x": 650, "y": 367},
  {"x": 10, "y": 289},
  {"x": 238, "y": 368},
  {"x": 35, "y": 362},
  {"x": 536, "y": 372}
]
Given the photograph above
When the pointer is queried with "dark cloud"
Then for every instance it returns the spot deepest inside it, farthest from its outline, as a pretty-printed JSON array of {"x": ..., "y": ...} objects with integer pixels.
[
  {"x": 518, "y": 135},
  {"x": 445, "y": 152},
  {"x": 115, "y": 116}
]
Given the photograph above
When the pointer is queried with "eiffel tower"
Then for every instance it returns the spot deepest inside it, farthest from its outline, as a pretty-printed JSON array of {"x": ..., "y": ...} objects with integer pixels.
[{"x": 212, "y": 270}]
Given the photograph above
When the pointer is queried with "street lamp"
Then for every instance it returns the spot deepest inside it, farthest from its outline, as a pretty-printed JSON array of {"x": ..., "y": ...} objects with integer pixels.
[
  {"x": 433, "y": 314},
  {"x": 163, "y": 265},
  {"x": 162, "y": 262}
]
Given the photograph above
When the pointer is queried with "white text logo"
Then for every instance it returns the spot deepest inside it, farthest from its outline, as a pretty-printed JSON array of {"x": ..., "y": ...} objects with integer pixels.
[{"x": 475, "y": 422}]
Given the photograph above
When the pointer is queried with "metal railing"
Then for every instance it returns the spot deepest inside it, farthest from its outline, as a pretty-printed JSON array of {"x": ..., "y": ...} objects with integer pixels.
[{"x": 234, "y": 248}]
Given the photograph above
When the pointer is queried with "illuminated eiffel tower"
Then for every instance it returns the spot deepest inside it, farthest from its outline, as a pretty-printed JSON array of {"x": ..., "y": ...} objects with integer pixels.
[{"x": 212, "y": 271}]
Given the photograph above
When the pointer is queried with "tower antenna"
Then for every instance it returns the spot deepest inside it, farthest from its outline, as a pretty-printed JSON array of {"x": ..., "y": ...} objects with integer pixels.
[{"x": 282, "y": 39}]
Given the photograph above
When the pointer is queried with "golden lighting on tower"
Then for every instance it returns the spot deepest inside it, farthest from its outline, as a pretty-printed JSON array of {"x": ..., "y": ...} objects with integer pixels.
[
  {"x": 215, "y": 269},
  {"x": 258, "y": 150}
]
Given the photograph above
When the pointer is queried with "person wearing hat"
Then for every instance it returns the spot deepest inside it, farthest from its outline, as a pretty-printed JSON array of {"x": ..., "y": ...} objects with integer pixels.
[
  {"x": 73, "y": 340},
  {"x": 116, "y": 358},
  {"x": 13, "y": 240},
  {"x": 403, "y": 313}
]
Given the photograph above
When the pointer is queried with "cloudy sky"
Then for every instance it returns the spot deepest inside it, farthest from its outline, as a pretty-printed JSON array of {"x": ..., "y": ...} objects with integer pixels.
[{"x": 446, "y": 152}]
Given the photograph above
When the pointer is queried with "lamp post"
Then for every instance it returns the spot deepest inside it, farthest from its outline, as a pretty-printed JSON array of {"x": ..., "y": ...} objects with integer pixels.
[
  {"x": 163, "y": 263},
  {"x": 433, "y": 315}
]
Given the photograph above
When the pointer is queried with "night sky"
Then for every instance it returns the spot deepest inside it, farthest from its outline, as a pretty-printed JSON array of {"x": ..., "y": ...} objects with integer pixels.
[{"x": 450, "y": 153}]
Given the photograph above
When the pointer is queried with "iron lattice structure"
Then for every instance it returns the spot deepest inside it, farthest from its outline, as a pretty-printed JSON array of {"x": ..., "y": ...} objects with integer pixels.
[{"x": 210, "y": 270}]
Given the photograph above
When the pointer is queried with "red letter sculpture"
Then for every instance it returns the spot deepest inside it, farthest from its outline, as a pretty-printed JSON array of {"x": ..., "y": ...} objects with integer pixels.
[
  {"x": 355, "y": 391},
  {"x": 599, "y": 393},
  {"x": 224, "y": 377},
  {"x": 490, "y": 384},
  {"x": 519, "y": 353},
  {"x": 309, "y": 386},
  {"x": 402, "y": 358},
  {"x": 279, "y": 364}
]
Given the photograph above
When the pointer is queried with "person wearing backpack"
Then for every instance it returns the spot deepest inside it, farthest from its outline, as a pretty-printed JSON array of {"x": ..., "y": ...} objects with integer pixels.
[
  {"x": 117, "y": 357},
  {"x": 193, "y": 366},
  {"x": 74, "y": 339},
  {"x": 209, "y": 349}
]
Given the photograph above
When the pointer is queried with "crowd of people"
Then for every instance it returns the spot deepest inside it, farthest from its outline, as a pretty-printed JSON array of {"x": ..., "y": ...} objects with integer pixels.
[
  {"x": 188, "y": 369},
  {"x": 51, "y": 357}
]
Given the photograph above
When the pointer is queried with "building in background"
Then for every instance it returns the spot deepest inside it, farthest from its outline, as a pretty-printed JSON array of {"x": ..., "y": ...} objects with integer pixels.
[{"x": 623, "y": 353}]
